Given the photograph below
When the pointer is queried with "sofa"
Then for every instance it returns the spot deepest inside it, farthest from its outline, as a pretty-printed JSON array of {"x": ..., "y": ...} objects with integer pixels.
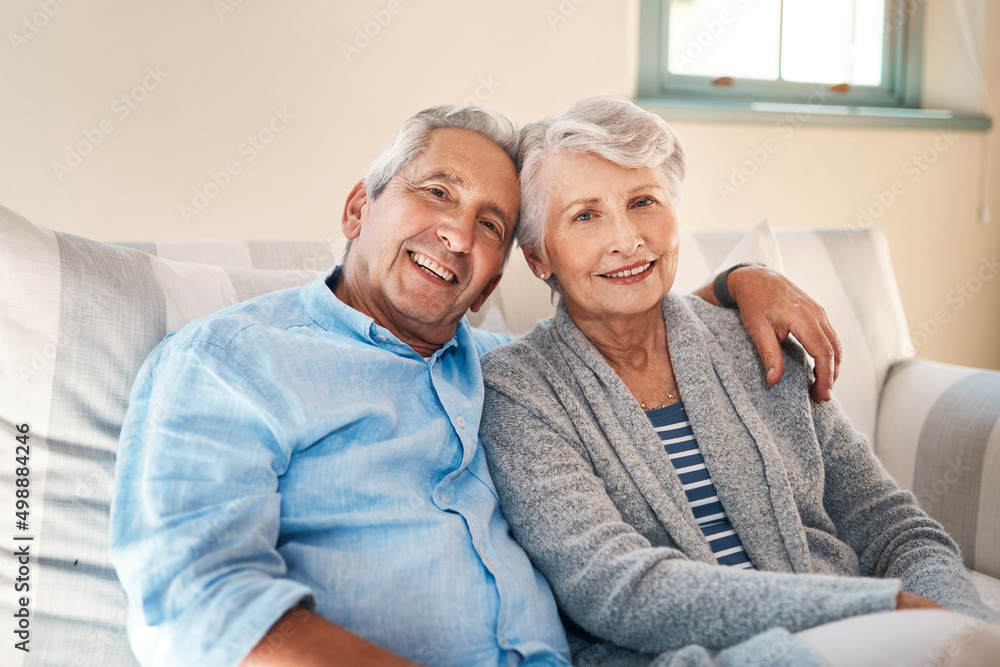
[{"x": 77, "y": 318}]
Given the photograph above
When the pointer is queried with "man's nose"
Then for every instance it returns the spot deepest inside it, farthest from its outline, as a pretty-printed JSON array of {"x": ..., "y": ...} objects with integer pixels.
[{"x": 457, "y": 231}]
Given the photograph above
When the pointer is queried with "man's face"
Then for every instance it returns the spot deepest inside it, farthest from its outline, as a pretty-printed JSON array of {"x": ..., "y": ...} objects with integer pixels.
[{"x": 432, "y": 245}]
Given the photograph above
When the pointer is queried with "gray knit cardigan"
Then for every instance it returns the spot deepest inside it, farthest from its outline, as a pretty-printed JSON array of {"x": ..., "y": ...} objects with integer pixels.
[{"x": 589, "y": 492}]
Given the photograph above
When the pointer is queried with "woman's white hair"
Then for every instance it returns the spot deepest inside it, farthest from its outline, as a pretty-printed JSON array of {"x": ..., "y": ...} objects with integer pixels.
[
  {"x": 608, "y": 126},
  {"x": 412, "y": 138}
]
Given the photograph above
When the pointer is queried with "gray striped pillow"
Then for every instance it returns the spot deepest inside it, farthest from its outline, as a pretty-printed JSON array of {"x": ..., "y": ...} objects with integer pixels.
[
  {"x": 939, "y": 435},
  {"x": 77, "y": 319}
]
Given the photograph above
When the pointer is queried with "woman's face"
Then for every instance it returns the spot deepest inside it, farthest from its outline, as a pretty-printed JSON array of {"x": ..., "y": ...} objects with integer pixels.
[{"x": 610, "y": 237}]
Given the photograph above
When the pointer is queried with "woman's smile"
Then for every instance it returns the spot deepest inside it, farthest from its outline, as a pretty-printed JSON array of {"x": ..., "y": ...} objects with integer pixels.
[{"x": 630, "y": 274}]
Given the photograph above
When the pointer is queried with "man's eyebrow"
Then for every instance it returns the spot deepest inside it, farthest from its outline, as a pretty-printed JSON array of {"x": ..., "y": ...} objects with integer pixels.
[
  {"x": 447, "y": 176},
  {"x": 456, "y": 180},
  {"x": 504, "y": 218}
]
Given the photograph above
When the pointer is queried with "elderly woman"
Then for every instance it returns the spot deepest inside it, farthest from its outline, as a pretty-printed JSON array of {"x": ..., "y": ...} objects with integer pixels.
[{"x": 669, "y": 494}]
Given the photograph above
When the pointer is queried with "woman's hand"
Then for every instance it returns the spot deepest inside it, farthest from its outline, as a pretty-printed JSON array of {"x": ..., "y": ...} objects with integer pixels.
[
  {"x": 772, "y": 307},
  {"x": 913, "y": 601}
]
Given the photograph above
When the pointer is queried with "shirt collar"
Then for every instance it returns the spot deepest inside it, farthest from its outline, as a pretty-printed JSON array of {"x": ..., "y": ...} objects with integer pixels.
[{"x": 334, "y": 315}]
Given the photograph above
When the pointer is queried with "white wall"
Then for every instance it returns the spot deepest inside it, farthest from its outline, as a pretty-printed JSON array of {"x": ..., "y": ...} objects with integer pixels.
[{"x": 227, "y": 67}]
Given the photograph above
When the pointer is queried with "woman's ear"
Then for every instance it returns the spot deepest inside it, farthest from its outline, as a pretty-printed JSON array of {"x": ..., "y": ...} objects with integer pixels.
[
  {"x": 354, "y": 211},
  {"x": 538, "y": 265}
]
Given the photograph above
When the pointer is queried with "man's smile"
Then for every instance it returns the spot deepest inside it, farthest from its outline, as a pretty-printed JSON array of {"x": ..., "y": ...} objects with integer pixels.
[{"x": 431, "y": 267}]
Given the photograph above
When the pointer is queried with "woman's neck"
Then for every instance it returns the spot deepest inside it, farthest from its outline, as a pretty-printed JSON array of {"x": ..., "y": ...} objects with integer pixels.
[{"x": 629, "y": 343}]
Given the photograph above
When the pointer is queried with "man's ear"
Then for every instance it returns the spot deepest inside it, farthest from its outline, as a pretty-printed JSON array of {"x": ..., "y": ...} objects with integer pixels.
[
  {"x": 354, "y": 210},
  {"x": 481, "y": 299},
  {"x": 538, "y": 265}
]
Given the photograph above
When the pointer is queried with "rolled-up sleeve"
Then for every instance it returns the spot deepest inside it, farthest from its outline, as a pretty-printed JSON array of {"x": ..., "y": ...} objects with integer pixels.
[{"x": 196, "y": 509}]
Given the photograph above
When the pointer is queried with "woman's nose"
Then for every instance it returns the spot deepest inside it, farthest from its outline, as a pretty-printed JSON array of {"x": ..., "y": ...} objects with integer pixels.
[{"x": 627, "y": 238}]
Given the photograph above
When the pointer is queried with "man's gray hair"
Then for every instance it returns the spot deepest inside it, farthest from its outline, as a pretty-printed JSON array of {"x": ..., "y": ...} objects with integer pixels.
[
  {"x": 412, "y": 138},
  {"x": 608, "y": 126}
]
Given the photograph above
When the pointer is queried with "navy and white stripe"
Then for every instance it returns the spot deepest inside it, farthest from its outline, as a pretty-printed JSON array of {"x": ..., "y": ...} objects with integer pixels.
[{"x": 671, "y": 424}]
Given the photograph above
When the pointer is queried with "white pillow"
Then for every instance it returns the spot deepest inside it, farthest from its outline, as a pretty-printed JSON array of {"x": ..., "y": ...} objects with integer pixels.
[{"x": 759, "y": 244}]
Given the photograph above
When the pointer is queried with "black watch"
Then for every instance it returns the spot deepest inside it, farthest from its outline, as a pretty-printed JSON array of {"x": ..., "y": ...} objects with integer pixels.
[{"x": 721, "y": 287}]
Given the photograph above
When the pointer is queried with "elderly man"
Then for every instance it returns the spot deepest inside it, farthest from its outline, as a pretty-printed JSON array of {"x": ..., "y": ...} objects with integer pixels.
[{"x": 300, "y": 480}]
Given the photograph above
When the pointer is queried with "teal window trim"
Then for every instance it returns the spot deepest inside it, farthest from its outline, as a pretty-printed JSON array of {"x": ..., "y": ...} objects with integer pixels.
[
  {"x": 897, "y": 104},
  {"x": 797, "y": 115}
]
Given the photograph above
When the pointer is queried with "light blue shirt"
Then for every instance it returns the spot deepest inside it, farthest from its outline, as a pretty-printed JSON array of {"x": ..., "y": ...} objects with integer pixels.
[{"x": 289, "y": 449}]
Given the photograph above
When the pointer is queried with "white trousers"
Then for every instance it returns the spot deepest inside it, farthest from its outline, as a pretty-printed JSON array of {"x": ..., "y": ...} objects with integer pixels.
[{"x": 908, "y": 638}]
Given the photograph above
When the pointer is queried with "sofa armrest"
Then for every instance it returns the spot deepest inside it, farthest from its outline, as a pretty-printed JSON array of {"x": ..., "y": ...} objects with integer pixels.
[
  {"x": 989, "y": 591},
  {"x": 938, "y": 434}
]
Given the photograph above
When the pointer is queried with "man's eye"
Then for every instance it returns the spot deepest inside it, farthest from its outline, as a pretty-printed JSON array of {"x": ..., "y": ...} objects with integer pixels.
[
  {"x": 437, "y": 192},
  {"x": 490, "y": 226}
]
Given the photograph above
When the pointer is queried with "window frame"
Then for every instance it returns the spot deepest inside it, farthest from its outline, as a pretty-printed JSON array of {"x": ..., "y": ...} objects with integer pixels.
[{"x": 901, "y": 70}]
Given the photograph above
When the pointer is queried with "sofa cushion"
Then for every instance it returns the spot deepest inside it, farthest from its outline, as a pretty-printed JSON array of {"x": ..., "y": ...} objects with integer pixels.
[
  {"x": 849, "y": 272},
  {"x": 939, "y": 434},
  {"x": 77, "y": 319}
]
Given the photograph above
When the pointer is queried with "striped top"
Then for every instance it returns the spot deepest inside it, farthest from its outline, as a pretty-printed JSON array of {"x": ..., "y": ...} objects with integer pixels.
[{"x": 672, "y": 425}]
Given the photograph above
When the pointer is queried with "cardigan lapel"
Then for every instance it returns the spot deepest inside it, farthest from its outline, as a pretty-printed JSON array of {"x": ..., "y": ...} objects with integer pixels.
[
  {"x": 630, "y": 434},
  {"x": 742, "y": 458}
]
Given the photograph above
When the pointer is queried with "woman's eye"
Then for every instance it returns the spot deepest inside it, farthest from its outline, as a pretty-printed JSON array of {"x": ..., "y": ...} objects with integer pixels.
[
  {"x": 645, "y": 201},
  {"x": 586, "y": 215}
]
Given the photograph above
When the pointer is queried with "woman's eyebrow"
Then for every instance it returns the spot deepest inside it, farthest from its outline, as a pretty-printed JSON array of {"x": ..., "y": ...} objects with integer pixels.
[
  {"x": 645, "y": 187},
  {"x": 589, "y": 201},
  {"x": 583, "y": 201}
]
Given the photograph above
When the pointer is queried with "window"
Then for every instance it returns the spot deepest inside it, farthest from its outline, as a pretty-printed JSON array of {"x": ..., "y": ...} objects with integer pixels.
[{"x": 837, "y": 52}]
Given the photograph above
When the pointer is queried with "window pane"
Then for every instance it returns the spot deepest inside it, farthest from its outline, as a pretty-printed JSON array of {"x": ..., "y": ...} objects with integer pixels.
[
  {"x": 737, "y": 38},
  {"x": 835, "y": 41}
]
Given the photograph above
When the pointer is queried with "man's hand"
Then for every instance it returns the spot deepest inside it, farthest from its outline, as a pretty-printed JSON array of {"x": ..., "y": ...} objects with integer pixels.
[
  {"x": 772, "y": 307},
  {"x": 302, "y": 638}
]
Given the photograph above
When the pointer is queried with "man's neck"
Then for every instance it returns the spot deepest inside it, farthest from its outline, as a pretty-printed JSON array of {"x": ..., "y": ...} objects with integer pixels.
[{"x": 423, "y": 343}]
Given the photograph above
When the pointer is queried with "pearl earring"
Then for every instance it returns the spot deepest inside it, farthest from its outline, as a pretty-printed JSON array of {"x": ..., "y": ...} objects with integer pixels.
[{"x": 543, "y": 276}]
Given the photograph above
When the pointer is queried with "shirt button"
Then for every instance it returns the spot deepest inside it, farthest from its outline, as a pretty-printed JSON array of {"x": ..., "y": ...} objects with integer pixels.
[
  {"x": 445, "y": 498},
  {"x": 460, "y": 421},
  {"x": 503, "y": 641},
  {"x": 380, "y": 338}
]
